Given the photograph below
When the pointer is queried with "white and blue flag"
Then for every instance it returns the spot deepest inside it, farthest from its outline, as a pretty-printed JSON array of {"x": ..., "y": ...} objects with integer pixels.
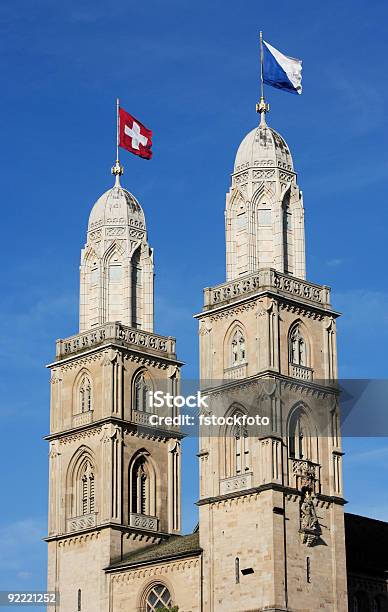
[{"x": 281, "y": 71}]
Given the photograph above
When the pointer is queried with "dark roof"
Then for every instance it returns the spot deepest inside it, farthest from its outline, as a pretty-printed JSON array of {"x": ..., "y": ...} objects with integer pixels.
[
  {"x": 366, "y": 545},
  {"x": 174, "y": 547}
]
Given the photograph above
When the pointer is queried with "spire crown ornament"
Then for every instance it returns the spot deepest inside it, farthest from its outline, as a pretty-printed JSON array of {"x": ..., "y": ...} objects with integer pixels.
[
  {"x": 117, "y": 171},
  {"x": 262, "y": 107}
]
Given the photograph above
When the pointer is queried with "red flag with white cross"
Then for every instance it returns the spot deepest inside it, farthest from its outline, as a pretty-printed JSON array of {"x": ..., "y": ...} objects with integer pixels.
[{"x": 134, "y": 136}]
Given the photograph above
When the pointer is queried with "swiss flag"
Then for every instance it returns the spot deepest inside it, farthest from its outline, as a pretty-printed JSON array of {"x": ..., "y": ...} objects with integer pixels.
[{"x": 134, "y": 136}]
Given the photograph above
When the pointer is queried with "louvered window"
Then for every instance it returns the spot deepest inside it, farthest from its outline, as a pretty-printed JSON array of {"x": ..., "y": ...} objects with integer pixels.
[
  {"x": 87, "y": 490},
  {"x": 85, "y": 395}
]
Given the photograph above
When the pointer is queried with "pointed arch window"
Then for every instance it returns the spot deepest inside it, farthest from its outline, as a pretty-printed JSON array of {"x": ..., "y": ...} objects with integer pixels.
[
  {"x": 298, "y": 439},
  {"x": 241, "y": 450},
  {"x": 235, "y": 446},
  {"x": 142, "y": 486},
  {"x": 297, "y": 347},
  {"x": 302, "y": 436},
  {"x": 85, "y": 395},
  {"x": 142, "y": 387},
  {"x": 136, "y": 290},
  {"x": 238, "y": 348},
  {"x": 87, "y": 489}
]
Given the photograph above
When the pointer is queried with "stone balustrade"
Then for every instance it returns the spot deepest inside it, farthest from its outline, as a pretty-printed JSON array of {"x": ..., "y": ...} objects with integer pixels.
[
  {"x": 301, "y": 372},
  {"x": 143, "y": 418},
  {"x": 120, "y": 334},
  {"x": 143, "y": 521},
  {"x": 236, "y": 372},
  {"x": 236, "y": 483},
  {"x": 83, "y": 418},
  {"x": 81, "y": 522},
  {"x": 267, "y": 279}
]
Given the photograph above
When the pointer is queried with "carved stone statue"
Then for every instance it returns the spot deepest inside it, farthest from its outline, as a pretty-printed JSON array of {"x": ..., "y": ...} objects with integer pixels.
[{"x": 308, "y": 514}]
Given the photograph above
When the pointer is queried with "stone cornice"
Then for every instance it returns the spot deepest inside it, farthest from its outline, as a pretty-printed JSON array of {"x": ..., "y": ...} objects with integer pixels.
[
  {"x": 270, "y": 486},
  {"x": 125, "y": 566},
  {"x": 161, "y": 535},
  {"x": 308, "y": 387},
  {"x": 130, "y": 428}
]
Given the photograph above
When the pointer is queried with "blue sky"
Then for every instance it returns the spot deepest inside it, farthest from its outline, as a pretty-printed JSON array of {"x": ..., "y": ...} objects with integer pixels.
[{"x": 190, "y": 72}]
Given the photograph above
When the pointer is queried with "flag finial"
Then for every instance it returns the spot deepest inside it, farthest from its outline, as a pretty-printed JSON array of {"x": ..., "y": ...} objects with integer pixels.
[
  {"x": 117, "y": 171},
  {"x": 262, "y": 107}
]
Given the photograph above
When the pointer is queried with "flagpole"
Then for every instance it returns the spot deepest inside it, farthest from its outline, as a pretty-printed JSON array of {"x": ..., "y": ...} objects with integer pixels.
[
  {"x": 262, "y": 107},
  {"x": 117, "y": 169},
  {"x": 117, "y": 128},
  {"x": 261, "y": 66}
]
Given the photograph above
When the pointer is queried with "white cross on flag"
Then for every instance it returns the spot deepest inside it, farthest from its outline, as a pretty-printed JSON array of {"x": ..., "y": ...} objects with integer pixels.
[{"x": 134, "y": 136}]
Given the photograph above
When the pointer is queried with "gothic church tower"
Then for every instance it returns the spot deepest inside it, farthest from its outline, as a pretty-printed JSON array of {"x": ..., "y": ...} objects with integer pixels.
[
  {"x": 114, "y": 480},
  {"x": 271, "y": 500}
]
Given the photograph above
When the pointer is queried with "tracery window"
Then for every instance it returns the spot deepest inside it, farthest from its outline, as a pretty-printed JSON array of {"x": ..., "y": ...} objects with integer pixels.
[
  {"x": 297, "y": 347},
  {"x": 158, "y": 597},
  {"x": 87, "y": 489},
  {"x": 140, "y": 502},
  {"x": 302, "y": 438},
  {"x": 85, "y": 395},
  {"x": 297, "y": 439},
  {"x": 141, "y": 390},
  {"x": 238, "y": 348}
]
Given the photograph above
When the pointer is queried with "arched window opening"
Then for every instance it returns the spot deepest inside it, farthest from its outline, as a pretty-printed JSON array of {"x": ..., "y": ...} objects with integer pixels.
[
  {"x": 297, "y": 347},
  {"x": 288, "y": 237},
  {"x": 141, "y": 390},
  {"x": 87, "y": 489},
  {"x": 115, "y": 288},
  {"x": 302, "y": 442},
  {"x": 241, "y": 450},
  {"x": 297, "y": 441},
  {"x": 136, "y": 290},
  {"x": 140, "y": 487},
  {"x": 158, "y": 597},
  {"x": 235, "y": 445},
  {"x": 238, "y": 348},
  {"x": 85, "y": 395}
]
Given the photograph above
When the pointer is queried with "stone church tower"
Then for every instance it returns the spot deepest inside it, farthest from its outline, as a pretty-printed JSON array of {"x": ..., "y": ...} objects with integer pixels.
[
  {"x": 271, "y": 500},
  {"x": 114, "y": 479}
]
